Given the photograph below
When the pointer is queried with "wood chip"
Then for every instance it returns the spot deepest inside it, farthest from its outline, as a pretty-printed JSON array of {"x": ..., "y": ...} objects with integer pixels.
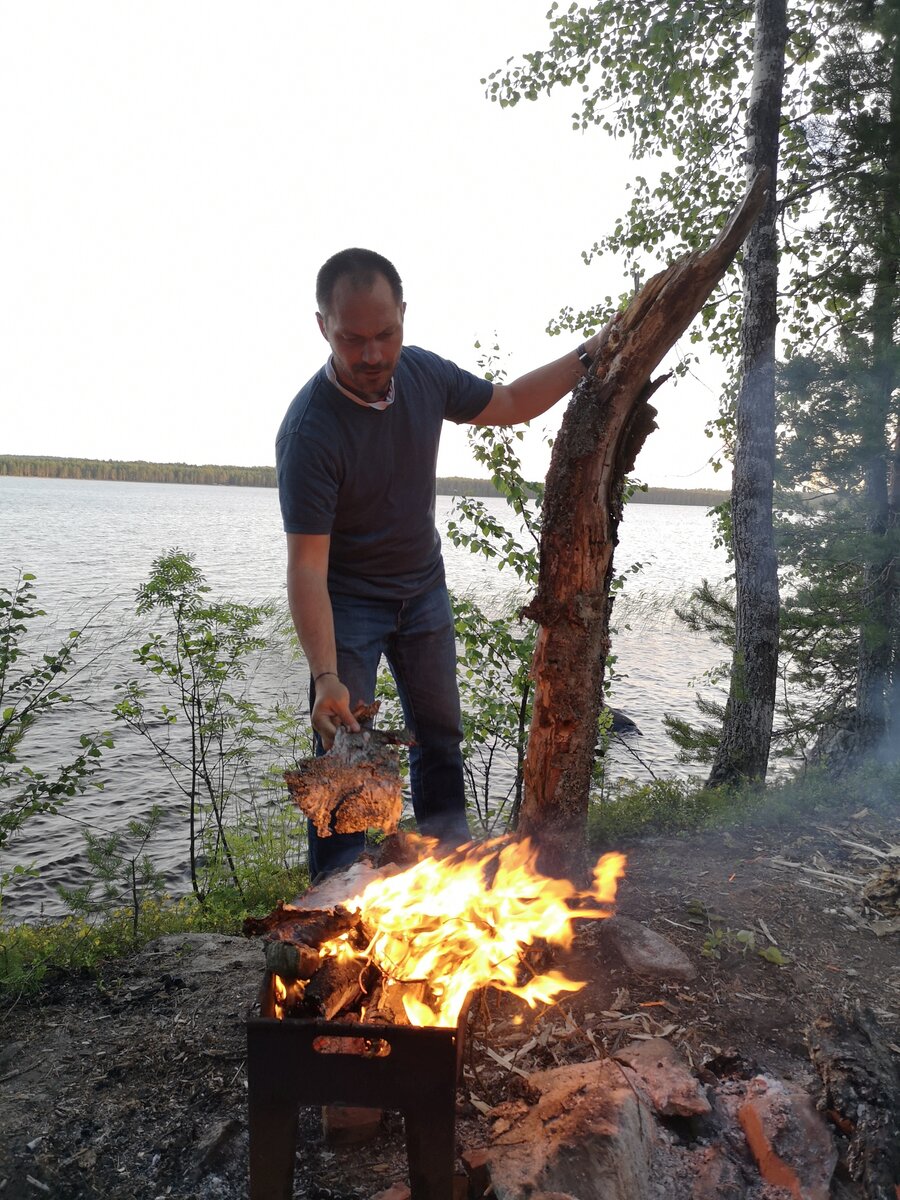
[
  {"x": 505, "y": 1060},
  {"x": 862, "y": 847},
  {"x": 764, "y": 927},
  {"x": 832, "y": 876}
]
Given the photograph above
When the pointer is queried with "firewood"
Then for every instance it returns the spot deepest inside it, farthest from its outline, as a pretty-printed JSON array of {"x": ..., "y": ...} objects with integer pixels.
[
  {"x": 334, "y": 987},
  {"x": 355, "y": 786},
  {"x": 861, "y": 1095},
  {"x": 314, "y": 927},
  {"x": 386, "y": 1004},
  {"x": 291, "y": 960}
]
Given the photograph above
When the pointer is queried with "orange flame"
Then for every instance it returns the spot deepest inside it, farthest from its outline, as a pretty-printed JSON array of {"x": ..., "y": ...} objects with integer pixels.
[{"x": 461, "y": 923}]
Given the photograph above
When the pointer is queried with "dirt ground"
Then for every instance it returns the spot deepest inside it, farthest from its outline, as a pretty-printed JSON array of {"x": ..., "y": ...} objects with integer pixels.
[{"x": 134, "y": 1085}]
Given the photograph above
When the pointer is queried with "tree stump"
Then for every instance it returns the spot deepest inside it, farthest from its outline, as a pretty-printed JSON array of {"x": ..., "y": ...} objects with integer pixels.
[{"x": 604, "y": 427}]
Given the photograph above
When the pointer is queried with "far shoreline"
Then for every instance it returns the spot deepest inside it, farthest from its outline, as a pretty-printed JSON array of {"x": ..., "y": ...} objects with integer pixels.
[{"x": 210, "y": 474}]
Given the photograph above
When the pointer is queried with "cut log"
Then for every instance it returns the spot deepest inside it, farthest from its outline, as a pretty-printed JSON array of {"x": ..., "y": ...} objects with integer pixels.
[
  {"x": 603, "y": 429},
  {"x": 355, "y": 786},
  {"x": 386, "y": 1004},
  {"x": 292, "y": 961},
  {"x": 861, "y": 1096},
  {"x": 335, "y": 986}
]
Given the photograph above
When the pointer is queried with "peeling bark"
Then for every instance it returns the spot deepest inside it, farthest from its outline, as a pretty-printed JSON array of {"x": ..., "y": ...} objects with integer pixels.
[{"x": 604, "y": 427}]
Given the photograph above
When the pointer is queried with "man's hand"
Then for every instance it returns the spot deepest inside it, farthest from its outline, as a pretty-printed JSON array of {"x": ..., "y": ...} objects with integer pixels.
[
  {"x": 332, "y": 709},
  {"x": 533, "y": 394}
]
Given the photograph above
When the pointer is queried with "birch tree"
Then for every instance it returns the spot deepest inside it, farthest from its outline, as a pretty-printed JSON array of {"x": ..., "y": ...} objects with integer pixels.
[
  {"x": 679, "y": 82},
  {"x": 743, "y": 751}
]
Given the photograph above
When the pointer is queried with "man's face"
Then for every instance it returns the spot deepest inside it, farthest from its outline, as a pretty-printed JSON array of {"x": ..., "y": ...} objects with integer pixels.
[{"x": 364, "y": 328}]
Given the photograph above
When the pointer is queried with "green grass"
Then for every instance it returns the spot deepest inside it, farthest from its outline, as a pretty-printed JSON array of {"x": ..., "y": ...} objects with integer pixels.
[
  {"x": 668, "y": 806},
  {"x": 32, "y": 955}
]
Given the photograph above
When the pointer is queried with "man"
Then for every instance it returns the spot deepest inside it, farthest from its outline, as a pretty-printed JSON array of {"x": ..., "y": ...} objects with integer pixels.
[{"x": 356, "y": 458}]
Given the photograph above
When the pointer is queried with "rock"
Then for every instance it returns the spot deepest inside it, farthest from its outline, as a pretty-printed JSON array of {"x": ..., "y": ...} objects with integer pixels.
[
  {"x": 792, "y": 1145},
  {"x": 644, "y": 951},
  {"x": 589, "y": 1136},
  {"x": 198, "y": 955},
  {"x": 622, "y": 723},
  {"x": 671, "y": 1088}
]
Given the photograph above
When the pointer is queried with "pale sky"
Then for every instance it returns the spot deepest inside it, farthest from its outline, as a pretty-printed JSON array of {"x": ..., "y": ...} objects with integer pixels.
[{"x": 173, "y": 175}]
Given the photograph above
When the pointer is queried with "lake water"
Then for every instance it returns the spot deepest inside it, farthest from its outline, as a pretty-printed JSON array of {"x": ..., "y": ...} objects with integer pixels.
[{"x": 91, "y": 544}]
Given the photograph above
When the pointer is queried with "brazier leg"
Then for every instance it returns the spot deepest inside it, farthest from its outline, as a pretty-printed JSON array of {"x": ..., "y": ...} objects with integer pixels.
[
  {"x": 431, "y": 1150},
  {"x": 273, "y": 1146}
]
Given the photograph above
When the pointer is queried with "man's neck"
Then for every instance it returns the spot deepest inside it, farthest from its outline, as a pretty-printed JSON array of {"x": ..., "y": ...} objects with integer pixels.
[{"x": 368, "y": 399}]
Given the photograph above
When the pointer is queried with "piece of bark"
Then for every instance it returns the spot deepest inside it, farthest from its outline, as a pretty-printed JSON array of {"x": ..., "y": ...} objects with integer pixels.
[
  {"x": 861, "y": 1096},
  {"x": 312, "y": 926},
  {"x": 603, "y": 429},
  {"x": 355, "y": 786}
]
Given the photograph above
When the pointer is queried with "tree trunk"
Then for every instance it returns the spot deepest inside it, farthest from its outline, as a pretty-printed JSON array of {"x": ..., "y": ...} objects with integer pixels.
[
  {"x": 602, "y": 431},
  {"x": 879, "y": 635},
  {"x": 743, "y": 752}
]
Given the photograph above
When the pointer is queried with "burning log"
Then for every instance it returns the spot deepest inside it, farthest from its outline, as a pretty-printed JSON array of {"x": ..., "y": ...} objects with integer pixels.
[
  {"x": 406, "y": 947},
  {"x": 292, "y": 960},
  {"x": 386, "y": 1005},
  {"x": 355, "y": 786},
  {"x": 313, "y": 926},
  {"x": 294, "y": 937},
  {"x": 336, "y": 986}
]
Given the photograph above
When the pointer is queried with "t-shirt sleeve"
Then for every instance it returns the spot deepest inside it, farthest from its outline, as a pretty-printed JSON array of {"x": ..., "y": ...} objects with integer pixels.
[
  {"x": 467, "y": 394},
  {"x": 307, "y": 484}
]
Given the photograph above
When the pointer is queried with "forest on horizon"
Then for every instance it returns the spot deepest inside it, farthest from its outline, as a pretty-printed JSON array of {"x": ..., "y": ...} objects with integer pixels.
[{"x": 50, "y": 467}]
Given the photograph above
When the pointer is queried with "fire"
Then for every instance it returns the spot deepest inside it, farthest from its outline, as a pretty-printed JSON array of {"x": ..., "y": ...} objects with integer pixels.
[{"x": 462, "y": 922}]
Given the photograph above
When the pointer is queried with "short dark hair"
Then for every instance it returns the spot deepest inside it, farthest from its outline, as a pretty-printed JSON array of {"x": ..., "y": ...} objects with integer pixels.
[{"x": 361, "y": 268}]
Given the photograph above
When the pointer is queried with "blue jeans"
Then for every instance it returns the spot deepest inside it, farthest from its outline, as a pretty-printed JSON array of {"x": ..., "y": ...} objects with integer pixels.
[{"x": 417, "y": 638}]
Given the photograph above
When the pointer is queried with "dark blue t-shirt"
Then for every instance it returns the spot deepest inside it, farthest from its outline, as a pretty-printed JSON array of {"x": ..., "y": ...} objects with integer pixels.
[{"x": 367, "y": 476}]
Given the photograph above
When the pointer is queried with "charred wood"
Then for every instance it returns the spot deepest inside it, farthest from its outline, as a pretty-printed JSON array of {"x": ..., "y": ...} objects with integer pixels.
[
  {"x": 313, "y": 926},
  {"x": 336, "y": 986},
  {"x": 386, "y": 1004},
  {"x": 861, "y": 1095}
]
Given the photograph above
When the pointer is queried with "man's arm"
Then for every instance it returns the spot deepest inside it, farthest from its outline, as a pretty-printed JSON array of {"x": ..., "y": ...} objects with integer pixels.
[
  {"x": 310, "y": 604},
  {"x": 532, "y": 394}
]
